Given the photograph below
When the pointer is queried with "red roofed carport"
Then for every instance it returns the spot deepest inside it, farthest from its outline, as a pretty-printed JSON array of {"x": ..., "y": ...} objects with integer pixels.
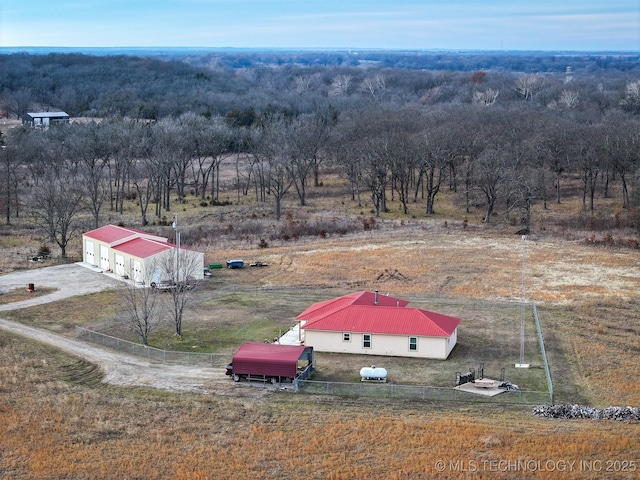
[{"x": 272, "y": 362}]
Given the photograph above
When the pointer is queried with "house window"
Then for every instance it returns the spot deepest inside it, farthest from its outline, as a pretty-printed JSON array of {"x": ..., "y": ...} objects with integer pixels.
[
  {"x": 346, "y": 337},
  {"x": 366, "y": 340},
  {"x": 413, "y": 344}
]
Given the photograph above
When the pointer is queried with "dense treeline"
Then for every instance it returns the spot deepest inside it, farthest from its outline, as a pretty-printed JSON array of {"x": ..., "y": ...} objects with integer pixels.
[
  {"x": 521, "y": 62},
  {"x": 502, "y": 141},
  {"x": 211, "y": 84}
]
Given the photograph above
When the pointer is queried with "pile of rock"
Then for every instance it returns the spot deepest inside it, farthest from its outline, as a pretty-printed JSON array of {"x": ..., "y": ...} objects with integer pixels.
[{"x": 582, "y": 411}]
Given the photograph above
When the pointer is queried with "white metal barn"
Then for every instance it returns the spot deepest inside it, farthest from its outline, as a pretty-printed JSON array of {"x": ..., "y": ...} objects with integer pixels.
[
  {"x": 138, "y": 255},
  {"x": 44, "y": 119},
  {"x": 373, "y": 324}
]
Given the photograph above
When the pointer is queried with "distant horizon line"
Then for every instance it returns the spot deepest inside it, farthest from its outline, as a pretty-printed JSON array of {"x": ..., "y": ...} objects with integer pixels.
[{"x": 352, "y": 50}]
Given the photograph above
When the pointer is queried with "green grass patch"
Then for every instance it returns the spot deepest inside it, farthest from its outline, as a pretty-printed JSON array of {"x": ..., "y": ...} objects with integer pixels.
[
  {"x": 235, "y": 299},
  {"x": 222, "y": 338}
]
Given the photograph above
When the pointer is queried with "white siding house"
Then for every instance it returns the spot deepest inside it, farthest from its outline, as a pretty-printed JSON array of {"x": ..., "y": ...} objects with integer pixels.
[{"x": 371, "y": 324}]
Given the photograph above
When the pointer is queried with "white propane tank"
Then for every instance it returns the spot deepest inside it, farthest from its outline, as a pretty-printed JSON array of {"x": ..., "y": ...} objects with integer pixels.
[{"x": 373, "y": 374}]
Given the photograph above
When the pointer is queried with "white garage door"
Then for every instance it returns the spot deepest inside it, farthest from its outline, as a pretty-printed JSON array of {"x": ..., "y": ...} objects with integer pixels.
[
  {"x": 104, "y": 257},
  {"x": 89, "y": 254},
  {"x": 137, "y": 271},
  {"x": 120, "y": 265}
]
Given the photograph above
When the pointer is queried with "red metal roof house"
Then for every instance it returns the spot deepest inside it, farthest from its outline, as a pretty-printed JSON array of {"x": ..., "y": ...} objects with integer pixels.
[{"x": 369, "y": 323}]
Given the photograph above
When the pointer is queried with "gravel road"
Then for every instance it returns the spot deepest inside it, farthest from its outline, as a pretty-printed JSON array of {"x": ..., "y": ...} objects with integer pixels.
[{"x": 118, "y": 368}]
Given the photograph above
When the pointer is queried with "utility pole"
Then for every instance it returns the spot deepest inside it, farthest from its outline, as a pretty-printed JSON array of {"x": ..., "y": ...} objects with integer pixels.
[
  {"x": 5, "y": 150},
  {"x": 175, "y": 227}
]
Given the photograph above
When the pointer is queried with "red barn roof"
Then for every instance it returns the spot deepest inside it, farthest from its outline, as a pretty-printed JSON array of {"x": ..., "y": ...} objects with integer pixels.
[
  {"x": 359, "y": 313},
  {"x": 113, "y": 234},
  {"x": 143, "y": 247}
]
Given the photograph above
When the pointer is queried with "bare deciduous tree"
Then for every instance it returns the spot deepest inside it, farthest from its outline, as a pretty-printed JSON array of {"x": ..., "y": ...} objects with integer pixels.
[
  {"x": 11, "y": 161},
  {"x": 437, "y": 153},
  {"x": 485, "y": 97},
  {"x": 344, "y": 152},
  {"x": 374, "y": 86},
  {"x": 88, "y": 145},
  {"x": 306, "y": 83},
  {"x": 622, "y": 150},
  {"x": 121, "y": 137},
  {"x": 567, "y": 100},
  {"x": 491, "y": 170},
  {"x": 56, "y": 204},
  {"x": 528, "y": 85},
  {"x": 19, "y": 101},
  {"x": 340, "y": 85},
  {"x": 306, "y": 137},
  {"x": 376, "y": 172},
  {"x": 183, "y": 270},
  {"x": 631, "y": 99},
  {"x": 271, "y": 154},
  {"x": 554, "y": 150},
  {"x": 140, "y": 303},
  {"x": 587, "y": 141}
]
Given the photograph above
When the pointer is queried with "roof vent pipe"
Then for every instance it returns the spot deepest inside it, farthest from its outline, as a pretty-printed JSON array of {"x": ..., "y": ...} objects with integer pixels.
[{"x": 375, "y": 301}]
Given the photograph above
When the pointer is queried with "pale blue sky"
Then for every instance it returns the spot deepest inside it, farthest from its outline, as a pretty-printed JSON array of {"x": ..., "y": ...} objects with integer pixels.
[{"x": 585, "y": 25}]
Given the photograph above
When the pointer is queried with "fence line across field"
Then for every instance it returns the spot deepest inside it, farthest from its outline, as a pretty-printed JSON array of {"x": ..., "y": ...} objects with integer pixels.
[
  {"x": 153, "y": 353},
  {"x": 545, "y": 361},
  {"x": 417, "y": 392}
]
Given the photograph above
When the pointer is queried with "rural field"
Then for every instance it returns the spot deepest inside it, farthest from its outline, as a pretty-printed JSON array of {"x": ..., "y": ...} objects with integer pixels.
[{"x": 59, "y": 420}]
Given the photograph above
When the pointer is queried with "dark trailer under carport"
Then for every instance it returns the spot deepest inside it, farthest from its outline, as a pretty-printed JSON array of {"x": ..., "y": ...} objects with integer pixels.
[{"x": 272, "y": 362}]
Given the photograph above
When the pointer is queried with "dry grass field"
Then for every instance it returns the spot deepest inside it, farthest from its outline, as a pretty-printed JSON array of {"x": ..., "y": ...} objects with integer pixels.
[{"x": 57, "y": 420}]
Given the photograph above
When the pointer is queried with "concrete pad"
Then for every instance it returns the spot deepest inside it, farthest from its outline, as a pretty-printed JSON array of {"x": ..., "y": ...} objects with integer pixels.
[
  {"x": 292, "y": 337},
  {"x": 486, "y": 392}
]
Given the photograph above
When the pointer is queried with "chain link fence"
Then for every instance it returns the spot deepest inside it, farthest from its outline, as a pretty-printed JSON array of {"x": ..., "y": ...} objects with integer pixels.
[
  {"x": 312, "y": 387},
  {"x": 344, "y": 389},
  {"x": 545, "y": 361},
  {"x": 152, "y": 353},
  {"x": 418, "y": 392}
]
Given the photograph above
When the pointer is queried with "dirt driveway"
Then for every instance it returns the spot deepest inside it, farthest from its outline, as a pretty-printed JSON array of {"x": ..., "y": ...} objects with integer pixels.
[{"x": 118, "y": 368}]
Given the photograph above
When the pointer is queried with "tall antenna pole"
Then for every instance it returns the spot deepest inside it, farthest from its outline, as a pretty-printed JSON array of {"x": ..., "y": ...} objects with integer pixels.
[
  {"x": 523, "y": 307},
  {"x": 175, "y": 227}
]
